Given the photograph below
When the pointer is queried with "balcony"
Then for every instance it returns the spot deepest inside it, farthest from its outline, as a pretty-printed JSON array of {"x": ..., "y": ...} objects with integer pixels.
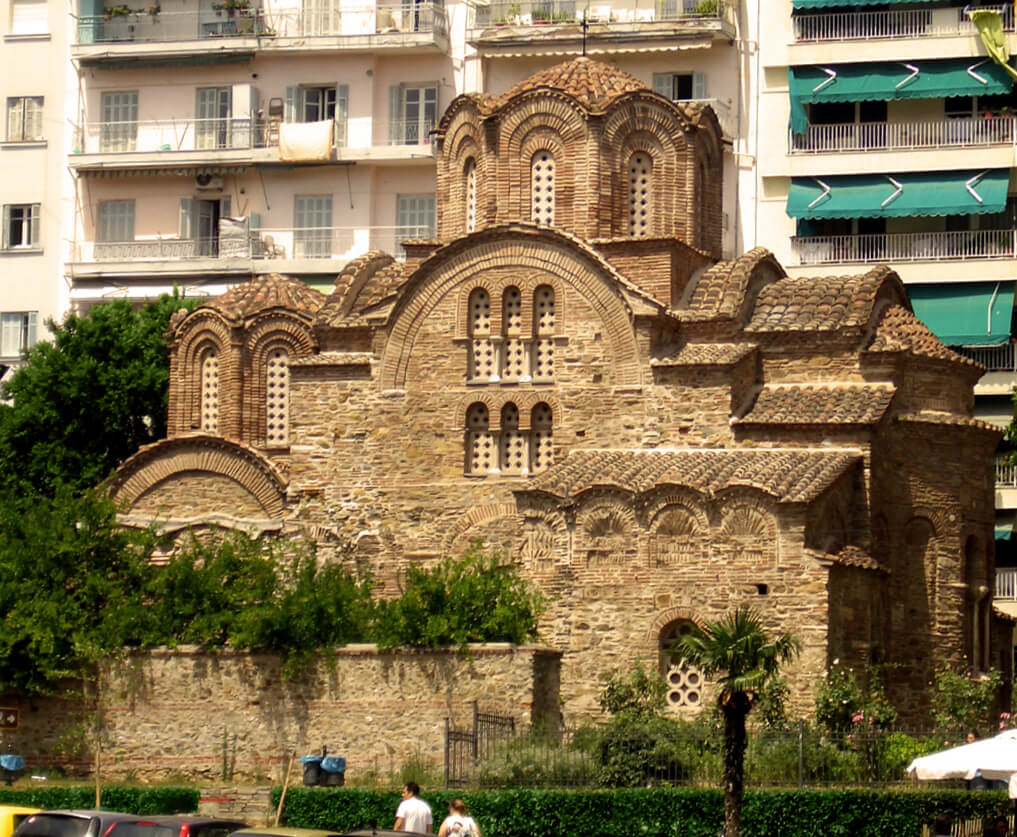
[
  {"x": 890, "y": 24},
  {"x": 905, "y": 247},
  {"x": 534, "y": 27},
  {"x": 1006, "y": 584},
  {"x": 902, "y": 136},
  {"x": 1001, "y": 358},
  {"x": 243, "y": 30}
]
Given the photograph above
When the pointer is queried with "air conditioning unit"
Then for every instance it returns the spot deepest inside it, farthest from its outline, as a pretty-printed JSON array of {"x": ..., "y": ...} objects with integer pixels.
[{"x": 208, "y": 182}]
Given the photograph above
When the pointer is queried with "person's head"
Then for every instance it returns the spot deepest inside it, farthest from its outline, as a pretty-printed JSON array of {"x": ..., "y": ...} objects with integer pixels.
[
  {"x": 942, "y": 824},
  {"x": 411, "y": 789},
  {"x": 1002, "y": 826},
  {"x": 972, "y": 736},
  {"x": 458, "y": 806}
]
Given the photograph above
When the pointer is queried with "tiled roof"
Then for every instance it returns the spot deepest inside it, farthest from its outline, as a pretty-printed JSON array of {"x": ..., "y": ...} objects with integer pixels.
[
  {"x": 720, "y": 291},
  {"x": 901, "y": 331},
  {"x": 791, "y": 475},
  {"x": 825, "y": 303},
  {"x": 272, "y": 290},
  {"x": 707, "y": 354},
  {"x": 830, "y": 404},
  {"x": 852, "y": 556},
  {"x": 951, "y": 419},
  {"x": 357, "y": 285},
  {"x": 593, "y": 83}
]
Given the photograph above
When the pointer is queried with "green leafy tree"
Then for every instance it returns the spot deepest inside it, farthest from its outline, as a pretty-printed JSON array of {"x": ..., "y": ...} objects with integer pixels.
[
  {"x": 477, "y": 598},
  {"x": 739, "y": 650},
  {"x": 962, "y": 703},
  {"x": 87, "y": 400}
]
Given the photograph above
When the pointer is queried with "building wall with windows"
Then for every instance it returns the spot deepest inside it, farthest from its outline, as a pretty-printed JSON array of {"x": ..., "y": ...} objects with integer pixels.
[{"x": 653, "y": 434}]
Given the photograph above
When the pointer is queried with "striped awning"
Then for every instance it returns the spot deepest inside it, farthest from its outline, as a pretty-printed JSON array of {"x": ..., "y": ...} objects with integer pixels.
[{"x": 102, "y": 172}]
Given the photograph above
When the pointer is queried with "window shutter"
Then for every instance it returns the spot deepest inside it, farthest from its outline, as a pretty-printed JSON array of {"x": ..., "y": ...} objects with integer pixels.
[
  {"x": 342, "y": 113},
  {"x": 394, "y": 103},
  {"x": 15, "y": 108},
  {"x": 7, "y": 227},
  {"x": 224, "y": 207},
  {"x": 34, "y": 224},
  {"x": 32, "y": 317},
  {"x": 186, "y": 218},
  {"x": 663, "y": 83},
  {"x": 29, "y": 17},
  {"x": 254, "y": 221},
  {"x": 33, "y": 118},
  {"x": 292, "y": 100},
  {"x": 699, "y": 85}
]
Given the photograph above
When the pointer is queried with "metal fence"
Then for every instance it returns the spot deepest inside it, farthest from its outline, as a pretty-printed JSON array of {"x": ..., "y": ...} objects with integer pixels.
[{"x": 466, "y": 749}]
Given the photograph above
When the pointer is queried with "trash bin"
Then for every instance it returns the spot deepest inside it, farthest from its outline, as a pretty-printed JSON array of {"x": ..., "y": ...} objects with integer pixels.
[
  {"x": 13, "y": 766},
  {"x": 333, "y": 771},
  {"x": 312, "y": 770}
]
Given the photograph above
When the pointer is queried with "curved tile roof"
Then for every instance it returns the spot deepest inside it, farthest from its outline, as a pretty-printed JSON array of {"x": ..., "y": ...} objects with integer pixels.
[
  {"x": 594, "y": 83},
  {"x": 899, "y": 330},
  {"x": 272, "y": 290},
  {"x": 790, "y": 475},
  {"x": 720, "y": 291},
  {"x": 707, "y": 354},
  {"x": 825, "y": 303},
  {"x": 831, "y": 404}
]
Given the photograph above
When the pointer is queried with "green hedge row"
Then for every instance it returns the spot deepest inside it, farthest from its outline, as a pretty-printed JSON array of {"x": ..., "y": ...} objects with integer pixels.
[
  {"x": 149, "y": 801},
  {"x": 655, "y": 812}
]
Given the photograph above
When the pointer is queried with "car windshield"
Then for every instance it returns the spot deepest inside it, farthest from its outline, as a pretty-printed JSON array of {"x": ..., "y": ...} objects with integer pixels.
[
  {"x": 54, "y": 825},
  {"x": 143, "y": 829}
]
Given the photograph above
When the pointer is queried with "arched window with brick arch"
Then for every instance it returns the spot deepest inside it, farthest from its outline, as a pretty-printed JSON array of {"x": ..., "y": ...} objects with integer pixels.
[
  {"x": 543, "y": 333},
  {"x": 542, "y": 444},
  {"x": 209, "y": 365},
  {"x": 481, "y": 345},
  {"x": 513, "y": 448},
  {"x": 542, "y": 188},
  {"x": 684, "y": 681},
  {"x": 640, "y": 174},
  {"x": 513, "y": 357},
  {"x": 470, "y": 181},
  {"x": 277, "y": 397},
  {"x": 480, "y": 450}
]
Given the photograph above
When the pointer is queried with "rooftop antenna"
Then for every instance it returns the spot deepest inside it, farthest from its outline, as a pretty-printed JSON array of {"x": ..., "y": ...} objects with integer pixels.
[{"x": 584, "y": 24}]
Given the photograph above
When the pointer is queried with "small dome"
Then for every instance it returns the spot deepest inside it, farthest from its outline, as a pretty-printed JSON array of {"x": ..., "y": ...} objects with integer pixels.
[
  {"x": 593, "y": 83},
  {"x": 270, "y": 291}
]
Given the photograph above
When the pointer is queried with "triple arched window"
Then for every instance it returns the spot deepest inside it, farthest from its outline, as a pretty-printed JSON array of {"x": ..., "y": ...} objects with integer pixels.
[
  {"x": 523, "y": 348},
  {"x": 506, "y": 447}
]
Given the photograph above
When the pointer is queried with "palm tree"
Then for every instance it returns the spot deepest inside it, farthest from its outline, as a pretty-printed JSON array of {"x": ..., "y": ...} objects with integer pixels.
[{"x": 737, "y": 648}]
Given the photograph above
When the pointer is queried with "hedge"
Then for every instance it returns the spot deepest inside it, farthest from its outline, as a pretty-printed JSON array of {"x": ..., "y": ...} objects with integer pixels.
[
  {"x": 655, "y": 812},
  {"x": 148, "y": 801}
]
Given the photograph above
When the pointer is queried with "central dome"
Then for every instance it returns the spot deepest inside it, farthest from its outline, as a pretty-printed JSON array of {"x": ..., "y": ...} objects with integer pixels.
[{"x": 593, "y": 83}]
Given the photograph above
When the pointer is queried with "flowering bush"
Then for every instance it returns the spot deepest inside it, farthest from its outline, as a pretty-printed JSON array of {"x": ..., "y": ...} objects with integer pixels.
[{"x": 962, "y": 703}]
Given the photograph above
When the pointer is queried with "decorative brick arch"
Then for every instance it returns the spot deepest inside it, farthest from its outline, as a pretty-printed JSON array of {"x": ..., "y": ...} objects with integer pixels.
[
  {"x": 463, "y": 140},
  {"x": 202, "y": 330},
  {"x": 496, "y": 283},
  {"x": 156, "y": 463},
  {"x": 495, "y": 400},
  {"x": 475, "y": 516},
  {"x": 666, "y": 617},
  {"x": 692, "y": 501},
  {"x": 574, "y": 266}
]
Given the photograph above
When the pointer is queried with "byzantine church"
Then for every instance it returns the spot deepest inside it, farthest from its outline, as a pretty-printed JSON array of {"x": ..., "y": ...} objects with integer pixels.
[{"x": 570, "y": 372}]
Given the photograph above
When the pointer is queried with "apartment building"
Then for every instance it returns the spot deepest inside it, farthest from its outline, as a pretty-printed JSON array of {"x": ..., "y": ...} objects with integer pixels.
[
  {"x": 34, "y": 78},
  {"x": 888, "y": 135}
]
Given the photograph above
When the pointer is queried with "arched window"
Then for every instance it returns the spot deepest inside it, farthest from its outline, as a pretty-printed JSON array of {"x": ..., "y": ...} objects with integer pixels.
[
  {"x": 479, "y": 444},
  {"x": 543, "y": 332},
  {"x": 513, "y": 443},
  {"x": 640, "y": 171},
  {"x": 513, "y": 363},
  {"x": 277, "y": 398},
  {"x": 542, "y": 188},
  {"x": 470, "y": 176},
  {"x": 684, "y": 682},
  {"x": 210, "y": 390},
  {"x": 481, "y": 347},
  {"x": 541, "y": 456}
]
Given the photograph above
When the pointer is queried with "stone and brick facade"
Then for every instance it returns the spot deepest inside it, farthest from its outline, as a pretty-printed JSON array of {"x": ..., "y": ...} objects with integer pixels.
[{"x": 654, "y": 435}]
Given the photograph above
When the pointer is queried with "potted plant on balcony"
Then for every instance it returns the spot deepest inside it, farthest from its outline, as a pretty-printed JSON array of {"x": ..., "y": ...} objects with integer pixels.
[
  {"x": 231, "y": 7},
  {"x": 153, "y": 11},
  {"x": 110, "y": 12}
]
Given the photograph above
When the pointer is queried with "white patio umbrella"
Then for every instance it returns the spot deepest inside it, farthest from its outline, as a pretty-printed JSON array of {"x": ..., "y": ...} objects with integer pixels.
[{"x": 994, "y": 759}]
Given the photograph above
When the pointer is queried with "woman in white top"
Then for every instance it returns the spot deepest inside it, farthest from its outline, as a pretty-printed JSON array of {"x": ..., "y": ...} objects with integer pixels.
[{"x": 459, "y": 823}]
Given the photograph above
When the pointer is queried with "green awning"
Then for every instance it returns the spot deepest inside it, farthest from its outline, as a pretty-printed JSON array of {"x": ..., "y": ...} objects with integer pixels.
[
  {"x": 1003, "y": 533},
  {"x": 899, "y": 195},
  {"x": 889, "y": 80},
  {"x": 966, "y": 313},
  {"x": 848, "y": 4}
]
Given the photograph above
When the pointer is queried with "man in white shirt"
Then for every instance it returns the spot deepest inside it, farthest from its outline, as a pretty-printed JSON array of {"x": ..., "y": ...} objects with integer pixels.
[{"x": 413, "y": 814}]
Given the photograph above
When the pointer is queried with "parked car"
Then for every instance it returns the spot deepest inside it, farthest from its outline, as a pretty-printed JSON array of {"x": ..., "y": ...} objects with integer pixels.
[
  {"x": 285, "y": 831},
  {"x": 174, "y": 826},
  {"x": 70, "y": 823},
  {"x": 11, "y": 817}
]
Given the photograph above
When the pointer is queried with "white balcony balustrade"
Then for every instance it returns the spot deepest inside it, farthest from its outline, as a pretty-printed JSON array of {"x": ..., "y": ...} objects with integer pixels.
[
  {"x": 242, "y": 21},
  {"x": 1006, "y": 583},
  {"x": 1001, "y": 358},
  {"x": 905, "y": 247},
  {"x": 409, "y": 132},
  {"x": 182, "y": 134},
  {"x": 891, "y": 23},
  {"x": 544, "y": 12},
  {"x": 989, "y": 130}
]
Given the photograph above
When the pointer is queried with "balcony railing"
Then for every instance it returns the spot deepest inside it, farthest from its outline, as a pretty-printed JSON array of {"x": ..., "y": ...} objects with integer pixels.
[
  {"x": 887, "y": 136},
  {"x": 285, "y": 23},
  {"x": 1006, "y": 583},
  {"x": 326, "y": 243},
  {"x": 905, "y": 247},
  {"x": 543, "y": 12},
  {"x": 994, "y": 358},
  {"x": 894, "y": 23},
  {"x": 409, "y": 132},
  {"x": 170, "y": 135}
]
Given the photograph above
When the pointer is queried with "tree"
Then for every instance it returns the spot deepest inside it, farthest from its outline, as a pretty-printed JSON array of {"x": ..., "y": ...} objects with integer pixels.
[
  {"x": 737, "y": 648},
  {"x": 83, "y": 403}
]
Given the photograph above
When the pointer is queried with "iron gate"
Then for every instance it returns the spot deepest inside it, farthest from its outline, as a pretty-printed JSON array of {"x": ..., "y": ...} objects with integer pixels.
[{"x": 465, "y": 749}]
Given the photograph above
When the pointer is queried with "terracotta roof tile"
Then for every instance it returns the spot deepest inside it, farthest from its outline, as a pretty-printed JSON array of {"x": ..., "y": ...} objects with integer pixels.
[
  {"x": 831, "y": 404},
  {"x": 272, "y": 290},
  {"x": 852, "y": 556},
  {"x": 901, "y": 331},
  {"x": 593, "y": 83},
  {"x": 707, "y": 354},
  {"x": 790, "y": 475},
  {"x": 720, "y": 291},
  {"x": 825, "y": 303},
  {"x": 951, "y": 419}
]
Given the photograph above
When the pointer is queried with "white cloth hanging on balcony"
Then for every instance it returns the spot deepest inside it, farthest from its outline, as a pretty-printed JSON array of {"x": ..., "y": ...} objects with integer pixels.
[{"x": 300, "y": 141}]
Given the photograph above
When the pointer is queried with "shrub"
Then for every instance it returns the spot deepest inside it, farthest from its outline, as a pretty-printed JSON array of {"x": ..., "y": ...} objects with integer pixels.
[{"x": 148, "y": 801}]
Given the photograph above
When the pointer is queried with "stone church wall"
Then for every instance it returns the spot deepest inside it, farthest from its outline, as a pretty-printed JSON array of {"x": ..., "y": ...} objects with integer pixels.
[{"x": 181, "y": 713}]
